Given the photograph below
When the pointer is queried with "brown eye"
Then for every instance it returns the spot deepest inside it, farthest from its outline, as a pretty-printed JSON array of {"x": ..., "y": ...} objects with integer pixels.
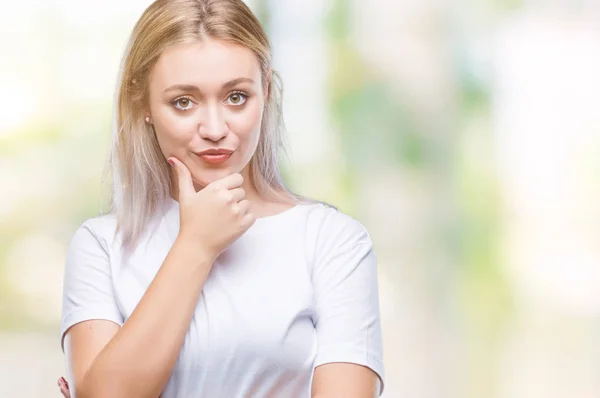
[
  {"x": 183, "y": 103},
  {"x": 237, "y": 99}
]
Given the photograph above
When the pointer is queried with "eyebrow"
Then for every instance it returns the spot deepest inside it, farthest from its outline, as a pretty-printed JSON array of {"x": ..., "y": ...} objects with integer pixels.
[{"x": 190, "y": 87}]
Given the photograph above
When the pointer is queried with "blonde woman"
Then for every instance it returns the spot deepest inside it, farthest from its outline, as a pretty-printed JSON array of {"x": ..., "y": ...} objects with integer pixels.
[{"x": 209, "y": 278}]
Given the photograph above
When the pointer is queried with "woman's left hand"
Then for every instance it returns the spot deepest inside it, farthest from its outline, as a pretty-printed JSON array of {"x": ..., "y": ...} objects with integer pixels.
[{"x": 64, "y": 387}]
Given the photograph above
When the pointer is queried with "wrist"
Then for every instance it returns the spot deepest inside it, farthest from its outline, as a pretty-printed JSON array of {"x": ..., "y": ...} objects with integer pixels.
[{"x": 195, "y": 249}]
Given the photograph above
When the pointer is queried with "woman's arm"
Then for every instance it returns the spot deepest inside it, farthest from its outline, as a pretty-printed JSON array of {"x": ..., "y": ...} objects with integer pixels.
[
  {"x": 137, "y": 359},
  {"x": 345, "y": 380}
]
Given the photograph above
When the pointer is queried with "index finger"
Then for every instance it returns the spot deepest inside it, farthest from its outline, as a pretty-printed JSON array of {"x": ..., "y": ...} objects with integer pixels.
[
  {"x": 231, "y": 181},
  {"x": 184, "y": 178}
]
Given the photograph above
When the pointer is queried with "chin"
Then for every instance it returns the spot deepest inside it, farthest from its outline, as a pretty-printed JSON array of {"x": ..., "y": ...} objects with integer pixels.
[{"x": 206, "y": 176}]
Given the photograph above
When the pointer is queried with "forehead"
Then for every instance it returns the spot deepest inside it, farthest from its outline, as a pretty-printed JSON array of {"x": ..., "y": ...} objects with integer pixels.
[{"x": 204, "y": 63}]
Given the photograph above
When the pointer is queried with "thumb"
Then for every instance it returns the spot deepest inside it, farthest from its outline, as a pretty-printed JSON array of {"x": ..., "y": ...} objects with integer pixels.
[{"x": 184, "y": 178}]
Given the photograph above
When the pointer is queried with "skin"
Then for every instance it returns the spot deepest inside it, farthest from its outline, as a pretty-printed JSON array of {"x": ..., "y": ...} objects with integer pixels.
[
  {"x": 211, "y": 112},
  {"x": 208, "y": 94}
]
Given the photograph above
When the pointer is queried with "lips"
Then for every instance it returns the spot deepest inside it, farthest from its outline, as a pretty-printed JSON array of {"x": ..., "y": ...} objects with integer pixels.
[{"x": 215, "y": 156}]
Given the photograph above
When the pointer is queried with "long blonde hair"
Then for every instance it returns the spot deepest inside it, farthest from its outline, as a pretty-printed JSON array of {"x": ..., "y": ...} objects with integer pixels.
[{"x": 141, "y": 178}]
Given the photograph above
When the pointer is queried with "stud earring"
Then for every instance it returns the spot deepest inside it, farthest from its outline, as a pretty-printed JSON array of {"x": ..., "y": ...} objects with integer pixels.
[{"x": 147, "y": 119}]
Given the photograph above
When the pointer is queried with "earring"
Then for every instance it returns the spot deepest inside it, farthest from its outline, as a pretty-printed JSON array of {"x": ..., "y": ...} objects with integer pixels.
[{"x": 147, "y": 119}]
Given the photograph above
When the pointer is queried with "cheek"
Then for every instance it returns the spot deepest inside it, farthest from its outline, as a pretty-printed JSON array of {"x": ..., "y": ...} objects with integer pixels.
[
  {"x": 173, "y": 131},
  {"x": 246, "y": 125}
]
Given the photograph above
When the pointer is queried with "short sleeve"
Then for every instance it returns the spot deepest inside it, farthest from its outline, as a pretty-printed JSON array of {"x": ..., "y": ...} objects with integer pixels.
[
  {"x": 344, "y": 277},
  {"x": 88, "y": 289}
]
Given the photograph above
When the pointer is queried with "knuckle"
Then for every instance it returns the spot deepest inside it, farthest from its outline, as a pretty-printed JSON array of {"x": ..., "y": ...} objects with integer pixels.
[{"x": 228, "y": 197}]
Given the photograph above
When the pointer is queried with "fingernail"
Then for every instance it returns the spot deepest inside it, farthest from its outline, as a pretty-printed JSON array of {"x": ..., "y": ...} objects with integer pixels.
[{"x": 171, "y": 162}]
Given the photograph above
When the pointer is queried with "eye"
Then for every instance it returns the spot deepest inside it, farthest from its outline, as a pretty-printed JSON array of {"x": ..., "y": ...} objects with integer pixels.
[
  {"x": 237, "y": 98},
  {"x": 183, "y": 103}
]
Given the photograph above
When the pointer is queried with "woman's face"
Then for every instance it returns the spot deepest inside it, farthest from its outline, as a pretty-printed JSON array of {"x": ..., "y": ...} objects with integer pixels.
[{"x": 207, "y": 95}]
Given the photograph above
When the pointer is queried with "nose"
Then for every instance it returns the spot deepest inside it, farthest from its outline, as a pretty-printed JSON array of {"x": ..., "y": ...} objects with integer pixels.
[{"x": 212, "y": 126}]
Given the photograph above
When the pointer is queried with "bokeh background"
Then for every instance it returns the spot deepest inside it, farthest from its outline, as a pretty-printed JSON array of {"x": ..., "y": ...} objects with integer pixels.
[{"x": 464, "y": 134}]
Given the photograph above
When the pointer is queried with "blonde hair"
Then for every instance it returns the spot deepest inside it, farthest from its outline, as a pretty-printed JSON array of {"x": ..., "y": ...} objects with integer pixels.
[{"x": 141, "y": 176}]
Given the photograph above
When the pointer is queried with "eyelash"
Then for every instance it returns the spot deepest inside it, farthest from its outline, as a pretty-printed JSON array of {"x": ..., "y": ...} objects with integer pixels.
[
  {"x": 241, "y": 93},
  {"x": 176, "y": 101},
  {"x": 244, "y": 95}
]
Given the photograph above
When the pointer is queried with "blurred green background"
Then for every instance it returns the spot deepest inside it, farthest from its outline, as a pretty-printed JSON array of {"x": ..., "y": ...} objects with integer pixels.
[{"x": 464, "y": 135}]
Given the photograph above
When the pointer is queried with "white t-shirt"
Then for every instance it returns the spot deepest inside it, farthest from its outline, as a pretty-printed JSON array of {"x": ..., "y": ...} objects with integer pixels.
[{"x": 297, "y": 290}]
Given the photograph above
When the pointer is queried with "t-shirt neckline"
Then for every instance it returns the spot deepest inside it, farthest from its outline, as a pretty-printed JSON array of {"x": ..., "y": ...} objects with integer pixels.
[{"x": 259, "y": 223}]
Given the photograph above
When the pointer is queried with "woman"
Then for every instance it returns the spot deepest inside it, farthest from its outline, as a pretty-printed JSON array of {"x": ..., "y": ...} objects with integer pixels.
[{"x": 209, "y": 278}]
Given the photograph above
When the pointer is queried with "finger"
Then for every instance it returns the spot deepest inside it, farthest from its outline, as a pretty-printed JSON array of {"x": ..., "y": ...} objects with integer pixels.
[
  {"x": 64, "y": 387},
  {"x": 184, "y": 177},
  {"x": 244, "y": 206},
  {"x": 249, "y": 218},
  {"x": 238, "y": 194},
  {"x": 230, "y": 182},
  {"x": 65, "y": 392}
]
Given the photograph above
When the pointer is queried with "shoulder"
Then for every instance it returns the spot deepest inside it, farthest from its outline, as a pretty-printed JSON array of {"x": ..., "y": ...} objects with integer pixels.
[
  {"x": 329, "y": 223},
  {"x": 95, "y": 231},
  {"x": 330, "y": 231}
]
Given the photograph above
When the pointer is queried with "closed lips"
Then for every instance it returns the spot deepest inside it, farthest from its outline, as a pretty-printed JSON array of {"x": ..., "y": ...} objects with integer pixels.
[{"x": 215, "y": 152}]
